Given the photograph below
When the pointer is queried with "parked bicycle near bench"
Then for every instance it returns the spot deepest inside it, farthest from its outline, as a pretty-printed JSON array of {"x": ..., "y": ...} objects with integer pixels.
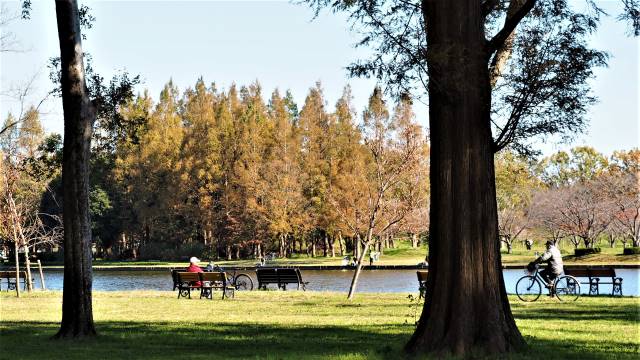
[{"x": 239, "y": 281}]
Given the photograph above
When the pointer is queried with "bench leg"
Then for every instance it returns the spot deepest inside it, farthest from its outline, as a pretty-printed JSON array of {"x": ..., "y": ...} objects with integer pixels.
[
  {"x": 617, "y": 287},
  {"x": 593, "y": 288},
  {"x": 182, "y": 292}
]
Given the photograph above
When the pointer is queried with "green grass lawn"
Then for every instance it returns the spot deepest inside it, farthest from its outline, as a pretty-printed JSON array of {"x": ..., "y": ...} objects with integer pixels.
[{"x": 294, "y": 325}]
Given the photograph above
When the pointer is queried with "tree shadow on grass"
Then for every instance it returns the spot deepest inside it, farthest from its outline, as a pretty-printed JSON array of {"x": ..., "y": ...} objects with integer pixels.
[
  {"x": 622, "y": 312},
  {"x": 131, "y": 340},
  {"x": 576, "y": 349},
  {"x": 190, "y": 339}
]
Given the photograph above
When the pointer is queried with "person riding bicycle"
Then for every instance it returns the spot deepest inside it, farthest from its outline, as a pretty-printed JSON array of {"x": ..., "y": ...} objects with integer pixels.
[{"x": 553, "y": 258}]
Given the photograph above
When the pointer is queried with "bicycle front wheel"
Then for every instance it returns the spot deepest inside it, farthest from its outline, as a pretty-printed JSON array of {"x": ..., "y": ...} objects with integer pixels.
[
  {"x": 567, "y": 288},
  {"x": 243, "y": 282},
  {"x": 528, "y": 288}
]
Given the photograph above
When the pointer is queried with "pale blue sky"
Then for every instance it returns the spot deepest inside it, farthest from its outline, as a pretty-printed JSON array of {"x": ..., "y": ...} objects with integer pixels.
[{"x": 276, "y": 43}]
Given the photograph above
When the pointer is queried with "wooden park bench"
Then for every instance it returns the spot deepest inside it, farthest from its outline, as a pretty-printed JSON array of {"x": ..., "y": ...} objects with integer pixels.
[
  {"x": 10, "y": 277},
  {"x": 594, "y": 276},
  {"x": 187, "y": 281},
  {"x": 215, "y": 281},
  {"x": 281, "y": 277},
  {"x": 206, "y": 282},
  {"x": 422, "y": 282}
]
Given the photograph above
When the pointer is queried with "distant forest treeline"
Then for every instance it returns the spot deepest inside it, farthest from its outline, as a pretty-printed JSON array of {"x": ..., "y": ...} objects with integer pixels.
[{"x": 226, "y": 174}]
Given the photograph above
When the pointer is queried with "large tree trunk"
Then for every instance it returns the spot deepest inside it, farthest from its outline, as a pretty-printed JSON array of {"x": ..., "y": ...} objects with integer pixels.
[
  {"x": 79, "y": 115},
  {"x": 467, "y": 308}
]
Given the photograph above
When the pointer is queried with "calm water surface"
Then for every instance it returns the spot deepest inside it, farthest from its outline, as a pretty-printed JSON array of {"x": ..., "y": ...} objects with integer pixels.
[{"x": 389, "y": 281}]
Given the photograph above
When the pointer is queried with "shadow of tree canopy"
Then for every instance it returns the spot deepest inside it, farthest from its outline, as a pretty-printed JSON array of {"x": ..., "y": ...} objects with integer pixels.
[
  {"x": 626, "y": 313},
  {"x": 135, "y": 340},
  {"x": 132, "y": 340}
]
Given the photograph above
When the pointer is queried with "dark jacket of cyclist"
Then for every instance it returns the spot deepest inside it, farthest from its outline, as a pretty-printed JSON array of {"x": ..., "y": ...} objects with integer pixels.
[{"x": 553, "y": 258}]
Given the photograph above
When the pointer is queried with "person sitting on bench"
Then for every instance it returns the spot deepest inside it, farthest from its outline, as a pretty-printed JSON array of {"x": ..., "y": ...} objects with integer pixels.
[{"x": 193, "y": 267}]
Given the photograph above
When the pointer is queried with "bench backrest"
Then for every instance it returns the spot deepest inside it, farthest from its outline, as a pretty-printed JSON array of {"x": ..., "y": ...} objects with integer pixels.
[
  {"x": 188, "y": 276},
  {"x": 422, "y": 275},
  {"x": 590, "y": 272},
  {"x": 278, "y": 275},
  {"x": 12, "y": 274},
  {"x": 606, "y": 272},
  {"x": 267, "y": 275},
  {"x": 582, "y": 272},
  {"x": 214, "y": 277},
  {"x": 289, "y": 275}
]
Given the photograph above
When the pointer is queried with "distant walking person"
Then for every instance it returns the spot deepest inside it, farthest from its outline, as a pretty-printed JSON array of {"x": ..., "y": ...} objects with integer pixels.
[
  {"x": 528, "y": 243},
  {"x": 373, "y": 256}
]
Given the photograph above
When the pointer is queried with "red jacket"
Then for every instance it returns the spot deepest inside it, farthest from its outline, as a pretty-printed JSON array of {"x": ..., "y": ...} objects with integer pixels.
[{"x": 196, "y": 269}]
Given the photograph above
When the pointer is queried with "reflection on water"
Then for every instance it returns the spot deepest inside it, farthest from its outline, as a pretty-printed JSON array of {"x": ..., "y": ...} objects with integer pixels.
[{"x": 319, "y": 280}]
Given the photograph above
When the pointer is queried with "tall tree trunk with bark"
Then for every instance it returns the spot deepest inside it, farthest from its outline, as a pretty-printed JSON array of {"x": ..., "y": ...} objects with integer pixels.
[
  {"x": 467, "y": 308},
  {"x": 79, "y": 115}
]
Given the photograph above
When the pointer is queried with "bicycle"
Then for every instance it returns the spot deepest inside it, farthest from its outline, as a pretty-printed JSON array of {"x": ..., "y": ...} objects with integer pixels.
[
  {"x": 529, "y": 288},
  {"x": 239, "y": 281}
]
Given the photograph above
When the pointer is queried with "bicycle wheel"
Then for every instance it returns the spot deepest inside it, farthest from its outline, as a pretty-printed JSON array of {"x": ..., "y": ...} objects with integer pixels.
[
  {"x": 567, "y": 288},
  {"x": 528, "y": 288},
  {"x": 243, "y": 282}
]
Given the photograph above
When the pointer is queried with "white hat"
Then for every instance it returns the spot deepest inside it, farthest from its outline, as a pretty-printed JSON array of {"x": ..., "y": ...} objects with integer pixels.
[{"x": 194, "y": 260}]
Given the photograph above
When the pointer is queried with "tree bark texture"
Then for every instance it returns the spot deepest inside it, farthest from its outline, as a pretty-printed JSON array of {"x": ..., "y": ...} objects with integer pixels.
[
  {"x": 79, "y": 115},
  {"x": 467, "y": 310}
]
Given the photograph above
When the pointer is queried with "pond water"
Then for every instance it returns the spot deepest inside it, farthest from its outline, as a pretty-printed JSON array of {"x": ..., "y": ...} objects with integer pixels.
[{"x": 319, "y": 280}]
